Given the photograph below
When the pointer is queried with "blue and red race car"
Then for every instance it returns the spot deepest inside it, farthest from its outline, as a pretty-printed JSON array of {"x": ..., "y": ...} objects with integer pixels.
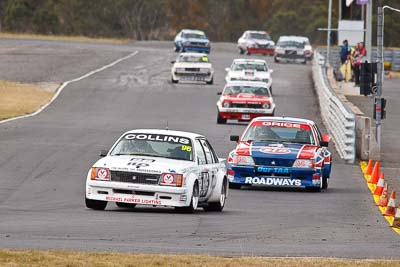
[{"x": 280, "y": 152}]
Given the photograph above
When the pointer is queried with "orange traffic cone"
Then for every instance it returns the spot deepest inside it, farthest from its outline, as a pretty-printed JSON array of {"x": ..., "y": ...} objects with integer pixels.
[
  {"x": 391, "y": 207},
  {"x": 396, "y": 219},
  {"x": 368, "y": 171},
  {"x": 379, "y": 186},
  {"x": 375, "y": 173},
  {"x": 383, "y": 200}
]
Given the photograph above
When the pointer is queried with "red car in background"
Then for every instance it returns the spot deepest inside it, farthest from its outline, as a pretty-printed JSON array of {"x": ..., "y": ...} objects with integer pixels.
[{"x": 244, "y": 101}]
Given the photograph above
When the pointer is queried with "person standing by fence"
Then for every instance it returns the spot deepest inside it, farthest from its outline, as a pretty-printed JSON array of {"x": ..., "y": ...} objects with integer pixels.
[{"x": 359, "y": 57}]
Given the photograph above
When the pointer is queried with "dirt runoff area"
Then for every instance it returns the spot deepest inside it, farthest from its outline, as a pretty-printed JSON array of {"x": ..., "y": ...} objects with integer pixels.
[{"x": 17, "y": 99}]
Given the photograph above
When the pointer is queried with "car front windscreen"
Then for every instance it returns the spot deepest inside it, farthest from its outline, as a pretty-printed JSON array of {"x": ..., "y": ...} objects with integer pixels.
[
  {"x": 260, "y": 36},
  {"x": 244, "y": 89},
  {"x": 249, "y": 66},
  {"x": 154, "y": 145},
  {"x": 193, "y": 58},
  {"x": 194, "y": 36},
  {"x": 260, "y": 132}
]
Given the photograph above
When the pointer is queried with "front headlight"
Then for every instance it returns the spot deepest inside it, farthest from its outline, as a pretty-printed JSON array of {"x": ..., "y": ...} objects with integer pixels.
[
  {"x": 265, "y": 80},
  {"x": 266, "y": 105},
  {"x": 243, "y": 160},
  {"x": 102, "y": 174},
  {"x": 179, "y": 70},
  {"x": 252, "y": 45},
  {"x": 171, "y": 179},
  {"x": 226, "y": 104},
  {"x": 208, "y": 44},
  {"x": 303, "y": 163},
  {"x": 186, "y": 43}
]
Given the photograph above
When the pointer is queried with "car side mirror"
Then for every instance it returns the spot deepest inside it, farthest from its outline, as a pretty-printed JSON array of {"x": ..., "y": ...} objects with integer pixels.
[
  {"x": 219, "y": 93},
  {"x": 325, "y": 140},
  {"x": 103, "y": 153},
  {"x": 227, "y": 69},
  {"x": 234, "y": 138},
  {"x": 271, "y": 71},
  {"x": 173, "y": 61}
]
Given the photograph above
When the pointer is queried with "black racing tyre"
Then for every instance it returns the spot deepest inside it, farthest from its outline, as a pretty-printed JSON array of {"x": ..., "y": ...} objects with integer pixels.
[
  {"x": 270, "y": 89},
  {"x": 211, "y": 82},
  {"x": 221, "y": 120},
  {"x": 95, "y": 204},
  {"x": 241, "y": 51},
  {"x": 174, "y": 81},
  {"x": 125, "y": 205},
  {"x": 218, "y": 206},
  {"x": 193, "y": 202},
  {"x": 325, "y": 182},
  {"x": 276, "y": 60},
  {"x": 235, "y": 186},
  {"x": 248, "y": 52}
]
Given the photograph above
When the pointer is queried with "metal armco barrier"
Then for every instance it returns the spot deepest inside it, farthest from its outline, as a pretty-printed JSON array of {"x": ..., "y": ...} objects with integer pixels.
[{"x": 337, "y": 117}]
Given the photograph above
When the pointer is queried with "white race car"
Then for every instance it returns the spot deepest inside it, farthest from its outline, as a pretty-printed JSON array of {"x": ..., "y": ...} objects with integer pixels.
[
  {"x": 256, "y": 42},
  {"x": 192, "y": 67},
  {"x": 249, "y": 70},
  {"x": 158, "y": 168},
  {"x": 293, "y": 48}
]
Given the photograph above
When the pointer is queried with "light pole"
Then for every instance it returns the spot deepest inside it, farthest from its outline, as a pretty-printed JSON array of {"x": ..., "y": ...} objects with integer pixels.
[
  {"x": 379, "y": 69},
  {"x": 328, "y": 39}
]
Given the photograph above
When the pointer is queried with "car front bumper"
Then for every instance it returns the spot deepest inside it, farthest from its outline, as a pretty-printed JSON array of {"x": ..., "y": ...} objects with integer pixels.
[
  {"x": 258, "y": 50},
  {"x": 200, "y": 49},
  {"x": 192, "y": 76},
  {"x": 142, "y": 194},
  {"x": 244, "y": 114},
  {"x": 282, "y": 177}
]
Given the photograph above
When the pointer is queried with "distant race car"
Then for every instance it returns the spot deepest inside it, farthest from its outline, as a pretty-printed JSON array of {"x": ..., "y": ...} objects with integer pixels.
[
  {"x": 191, "y": 66},
  {"x": 256, "y": 42},
  {"x": 192, "y": 41},
  {"x": 249, "y": 70},
  {"x": 293, "y": 48},
  {"x": 158, "y": 168},
  {"x": 243, "y": 101},
  {"x": 280, "y": 152}
]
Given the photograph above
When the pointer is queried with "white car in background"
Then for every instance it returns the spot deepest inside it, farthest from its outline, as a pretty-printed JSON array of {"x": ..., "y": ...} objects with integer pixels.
[
  {"x": 293, "y": 48},
  {"x": 192, "y": 67},
  {"x": 158, "y": 168},
  {"x": 256, "y": 42},
  {"x": 249, "y": 70}
]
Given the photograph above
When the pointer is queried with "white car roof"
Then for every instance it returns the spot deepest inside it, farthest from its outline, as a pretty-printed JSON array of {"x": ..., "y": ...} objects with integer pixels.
[
  {"x": 245, "y": 60},
  {"x": 261, "y": 32},
  {"x": 193, "y": 31},
  {"x": 293, "y": 38},
  {"x": 286, "y": 119},
  {"x": 243, "y": 83},
  {"x": 166, "y": 132}
]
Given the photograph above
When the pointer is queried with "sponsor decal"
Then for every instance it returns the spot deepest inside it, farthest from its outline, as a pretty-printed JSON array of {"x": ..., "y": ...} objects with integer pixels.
[
  {"x": 273, "y": 170},
  {"x": 272, "y": 181},
  {"x": 134, "y": 200},
  {"x": 158, "y": 138},
  {"x": 281, "y": 124},
  {"x": 168, "y": 178},
  {"x": 140, "y": 162},
  {"x": 186, "y": 148},
  {"x": 275, "y": 150},
  {"x": 102, "y": 173}
]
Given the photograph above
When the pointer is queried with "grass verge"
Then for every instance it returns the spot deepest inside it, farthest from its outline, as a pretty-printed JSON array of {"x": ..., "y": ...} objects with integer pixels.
[
  {"x": 70, "y": 258},
  {"x": 18, "y": 99},
  {"x": 63, "y": 38}
]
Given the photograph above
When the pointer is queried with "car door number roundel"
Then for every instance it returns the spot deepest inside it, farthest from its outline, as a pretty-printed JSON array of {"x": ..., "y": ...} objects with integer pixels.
[{"x": 204, "y": 183}]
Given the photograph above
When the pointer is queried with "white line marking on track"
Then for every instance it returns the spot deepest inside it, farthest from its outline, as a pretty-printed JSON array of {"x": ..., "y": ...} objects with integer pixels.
[{"x": 64, "y": 84}]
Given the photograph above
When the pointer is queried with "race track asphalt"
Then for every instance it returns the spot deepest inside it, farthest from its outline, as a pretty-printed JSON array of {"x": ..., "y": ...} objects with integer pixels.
[{"x": 44, "y": 161}]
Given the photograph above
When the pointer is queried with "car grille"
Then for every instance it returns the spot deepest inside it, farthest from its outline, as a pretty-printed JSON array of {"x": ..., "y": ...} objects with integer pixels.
[
  {"x": 278, "y": 162},
  {"x": 197, "y": 44},
  {"x": 134, "y": 177},
  {"x": 192, "y": 69},
  {"x": 290, "y": 52},
  {"x": 237, "y": 105}
]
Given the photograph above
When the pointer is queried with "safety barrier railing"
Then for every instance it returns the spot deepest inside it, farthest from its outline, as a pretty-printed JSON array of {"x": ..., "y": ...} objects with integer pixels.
[{"x": 337, "y": 116}]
